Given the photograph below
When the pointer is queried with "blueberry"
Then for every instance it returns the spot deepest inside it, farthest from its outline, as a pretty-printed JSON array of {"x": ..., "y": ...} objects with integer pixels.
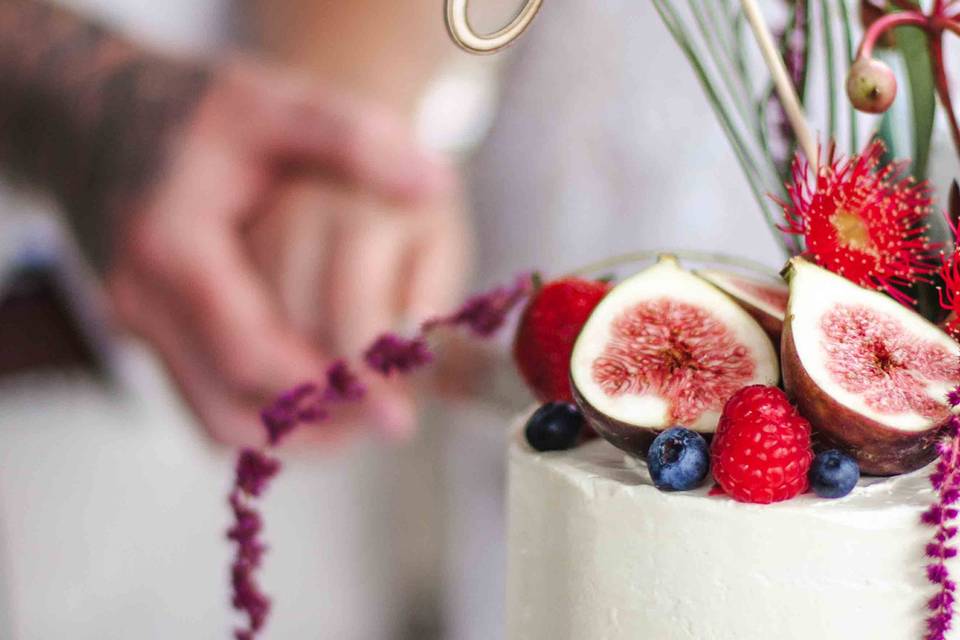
[
  {"x": 555, "y": 426},
  {"x": 678, "y": 459},
  {"x": 833, "y": 474}
]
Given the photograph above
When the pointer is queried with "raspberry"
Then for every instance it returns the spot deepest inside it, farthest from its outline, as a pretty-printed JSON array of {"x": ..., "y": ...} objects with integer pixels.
[
  {"x": 548, "y": 329},
  {"x": 761, "y": 451}
]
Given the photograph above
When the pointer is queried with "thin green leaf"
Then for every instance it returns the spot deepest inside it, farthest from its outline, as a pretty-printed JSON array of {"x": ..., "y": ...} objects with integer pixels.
[
  {"x": 885, "y": 133},
  {"x": 807, "y": 7},
  {"x": 913, "y": 45},
  {"x": 710, "y": 29},
  {"x": 830, "y": 64},
  {"x": 848, "y": 45},
  {"x": 763, "y": 117},
  {"x": 674, "y": 25}
]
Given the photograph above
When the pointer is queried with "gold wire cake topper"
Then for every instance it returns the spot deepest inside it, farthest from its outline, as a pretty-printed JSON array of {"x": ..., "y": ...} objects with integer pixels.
[
  {"x": 464, "y": 35},
  {"x": 458, "y": 24}
]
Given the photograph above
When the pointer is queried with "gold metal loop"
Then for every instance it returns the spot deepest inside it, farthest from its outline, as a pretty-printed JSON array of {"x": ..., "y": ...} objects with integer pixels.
[{"x": 469, "y": 40}]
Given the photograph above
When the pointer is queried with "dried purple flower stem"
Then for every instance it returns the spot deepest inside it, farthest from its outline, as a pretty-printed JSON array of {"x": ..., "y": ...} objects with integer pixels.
[
  {"x": 946, "y": 482},
  {"x": 309, "y": 404},
  {"x": 484, "y": 314}
]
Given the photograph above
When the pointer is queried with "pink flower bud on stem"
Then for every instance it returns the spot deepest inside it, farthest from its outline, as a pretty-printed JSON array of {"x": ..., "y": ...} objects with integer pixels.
[{"x": 871, "y": 85}]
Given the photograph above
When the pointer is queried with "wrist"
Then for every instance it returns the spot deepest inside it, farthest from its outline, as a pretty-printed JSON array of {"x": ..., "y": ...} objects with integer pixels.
[{"x": 85, "y": 114}]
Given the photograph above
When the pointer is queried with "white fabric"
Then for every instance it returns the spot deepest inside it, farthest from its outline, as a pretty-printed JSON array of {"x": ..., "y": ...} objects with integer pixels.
[{"x": 112, "y": 514}]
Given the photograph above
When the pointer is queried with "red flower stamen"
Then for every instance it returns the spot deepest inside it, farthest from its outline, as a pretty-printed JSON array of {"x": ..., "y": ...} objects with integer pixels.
[
  {"x": 950, "y": 292},
  {"x": 863, "y": 220}
]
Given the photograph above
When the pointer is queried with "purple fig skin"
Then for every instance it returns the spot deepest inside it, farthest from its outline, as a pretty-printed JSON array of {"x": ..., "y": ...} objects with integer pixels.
[
  {"x": 880, "y": 450},
  {"x": 771, "y": 324},
  {"x": 634, "y": 440}
]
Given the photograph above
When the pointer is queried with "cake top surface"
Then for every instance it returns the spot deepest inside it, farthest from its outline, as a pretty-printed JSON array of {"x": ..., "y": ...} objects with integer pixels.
[{"x": 601, "y": 468}]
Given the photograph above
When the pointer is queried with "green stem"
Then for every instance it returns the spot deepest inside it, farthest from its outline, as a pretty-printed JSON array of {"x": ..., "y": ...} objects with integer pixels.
[
  {"x": 736, "y": 88},
  {"x": 831, "y": 67},
  {"x": 802, "y": 18},
  {"x": 672, "y": 21},
  {"x": 848, "y": 43},
  {"x": 943, "y": 88}
]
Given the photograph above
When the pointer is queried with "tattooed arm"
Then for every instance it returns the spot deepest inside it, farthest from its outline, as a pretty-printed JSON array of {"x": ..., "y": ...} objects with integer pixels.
[
  {"x": 85, "y": 114},
  {"x": 169, "y": 164}
]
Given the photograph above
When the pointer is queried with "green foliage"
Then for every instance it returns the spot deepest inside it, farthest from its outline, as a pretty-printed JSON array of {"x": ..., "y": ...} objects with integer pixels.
[
  {"x": 913, "y": 46},
  {"x": 714, "y": 36}
]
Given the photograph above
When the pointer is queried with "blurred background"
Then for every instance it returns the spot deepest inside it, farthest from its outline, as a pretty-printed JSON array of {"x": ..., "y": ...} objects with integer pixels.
[{"x": 589, "y": 138}]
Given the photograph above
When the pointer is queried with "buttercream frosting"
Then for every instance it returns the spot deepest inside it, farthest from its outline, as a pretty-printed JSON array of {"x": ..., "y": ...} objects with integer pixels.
[{"x": 596, "y": 552}]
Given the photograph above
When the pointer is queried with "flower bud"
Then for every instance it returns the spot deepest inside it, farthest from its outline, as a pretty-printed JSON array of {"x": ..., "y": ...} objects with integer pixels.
[{"x": 871, "y": 85}]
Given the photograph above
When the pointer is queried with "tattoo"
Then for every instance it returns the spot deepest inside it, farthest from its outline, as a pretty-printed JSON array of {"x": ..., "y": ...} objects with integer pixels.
[{"x": 84, "y": 114}]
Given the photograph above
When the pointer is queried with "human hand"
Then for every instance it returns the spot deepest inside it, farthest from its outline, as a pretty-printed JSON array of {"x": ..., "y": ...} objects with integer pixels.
[
  {"x": 182, "y": 276},
  {"x": 348, "y": 265}
]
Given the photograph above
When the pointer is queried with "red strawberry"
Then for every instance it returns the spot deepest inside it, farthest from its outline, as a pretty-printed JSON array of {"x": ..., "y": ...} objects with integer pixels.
[
  {"x": 761, "y": 451},
  {"x": 549, "y": 327}
]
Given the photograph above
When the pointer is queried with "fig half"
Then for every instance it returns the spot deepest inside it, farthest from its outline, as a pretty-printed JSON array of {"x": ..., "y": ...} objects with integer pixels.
[
  {"x": 765, "y": 300},
  {"x": 871, "y": 375},
  {"x": 665, "y": 348}
]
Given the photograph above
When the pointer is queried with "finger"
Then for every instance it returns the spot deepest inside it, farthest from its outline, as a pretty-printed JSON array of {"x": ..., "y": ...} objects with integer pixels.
[
  {"x": 368, "y": 147},
  {"x": 437, "y": 263},
  {"x": 363, "y": 289},
  {"x": 301, "y": 224},
  {"x": 225, "y": 308},
  {"x": 225, "y": 420},
  {"x": 228, "y": 418}
]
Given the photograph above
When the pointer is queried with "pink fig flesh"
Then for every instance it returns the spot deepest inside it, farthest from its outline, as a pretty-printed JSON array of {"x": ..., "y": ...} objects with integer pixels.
[
  {"x": 869, "y": 374},
  {"x": 664, "y": 349}
]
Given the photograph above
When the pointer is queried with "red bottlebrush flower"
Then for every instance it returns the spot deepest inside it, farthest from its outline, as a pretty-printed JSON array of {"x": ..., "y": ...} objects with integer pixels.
[
  {"x": 950, "y": 293},
  {"x": 863, "y": 220}
]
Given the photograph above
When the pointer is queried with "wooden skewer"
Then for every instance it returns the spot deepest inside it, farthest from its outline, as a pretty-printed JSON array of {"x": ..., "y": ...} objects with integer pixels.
[{"x": 781, "y": 78}]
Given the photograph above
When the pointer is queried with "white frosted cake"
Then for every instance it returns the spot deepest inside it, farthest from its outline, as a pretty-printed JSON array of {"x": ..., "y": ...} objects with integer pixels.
[
  {"x": 719, "y": 505},
  {"x": 597, "y": 552}
]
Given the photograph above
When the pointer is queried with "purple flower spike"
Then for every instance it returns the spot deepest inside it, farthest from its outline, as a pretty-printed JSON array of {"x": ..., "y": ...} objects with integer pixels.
[
  {"x": 247, "y": 595},
  {"x": 254, "y": 471},
  {"x": 484, "y": 314},
  {"x": 278, "y": 421},
  {"x": 306, "y": 403},
  {"x": 343, "y": 385},
  {"x": 946, "y": 482},
  {"x": 392, "y": 353},
  {"x": 302, "y": 404},
  {"x": 954, "y": 398}
]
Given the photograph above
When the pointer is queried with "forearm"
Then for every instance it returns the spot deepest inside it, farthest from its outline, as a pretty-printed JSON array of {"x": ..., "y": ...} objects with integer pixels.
[
  {"x": 84, "y": 114},
  {"x": 381, "y": 50}
]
